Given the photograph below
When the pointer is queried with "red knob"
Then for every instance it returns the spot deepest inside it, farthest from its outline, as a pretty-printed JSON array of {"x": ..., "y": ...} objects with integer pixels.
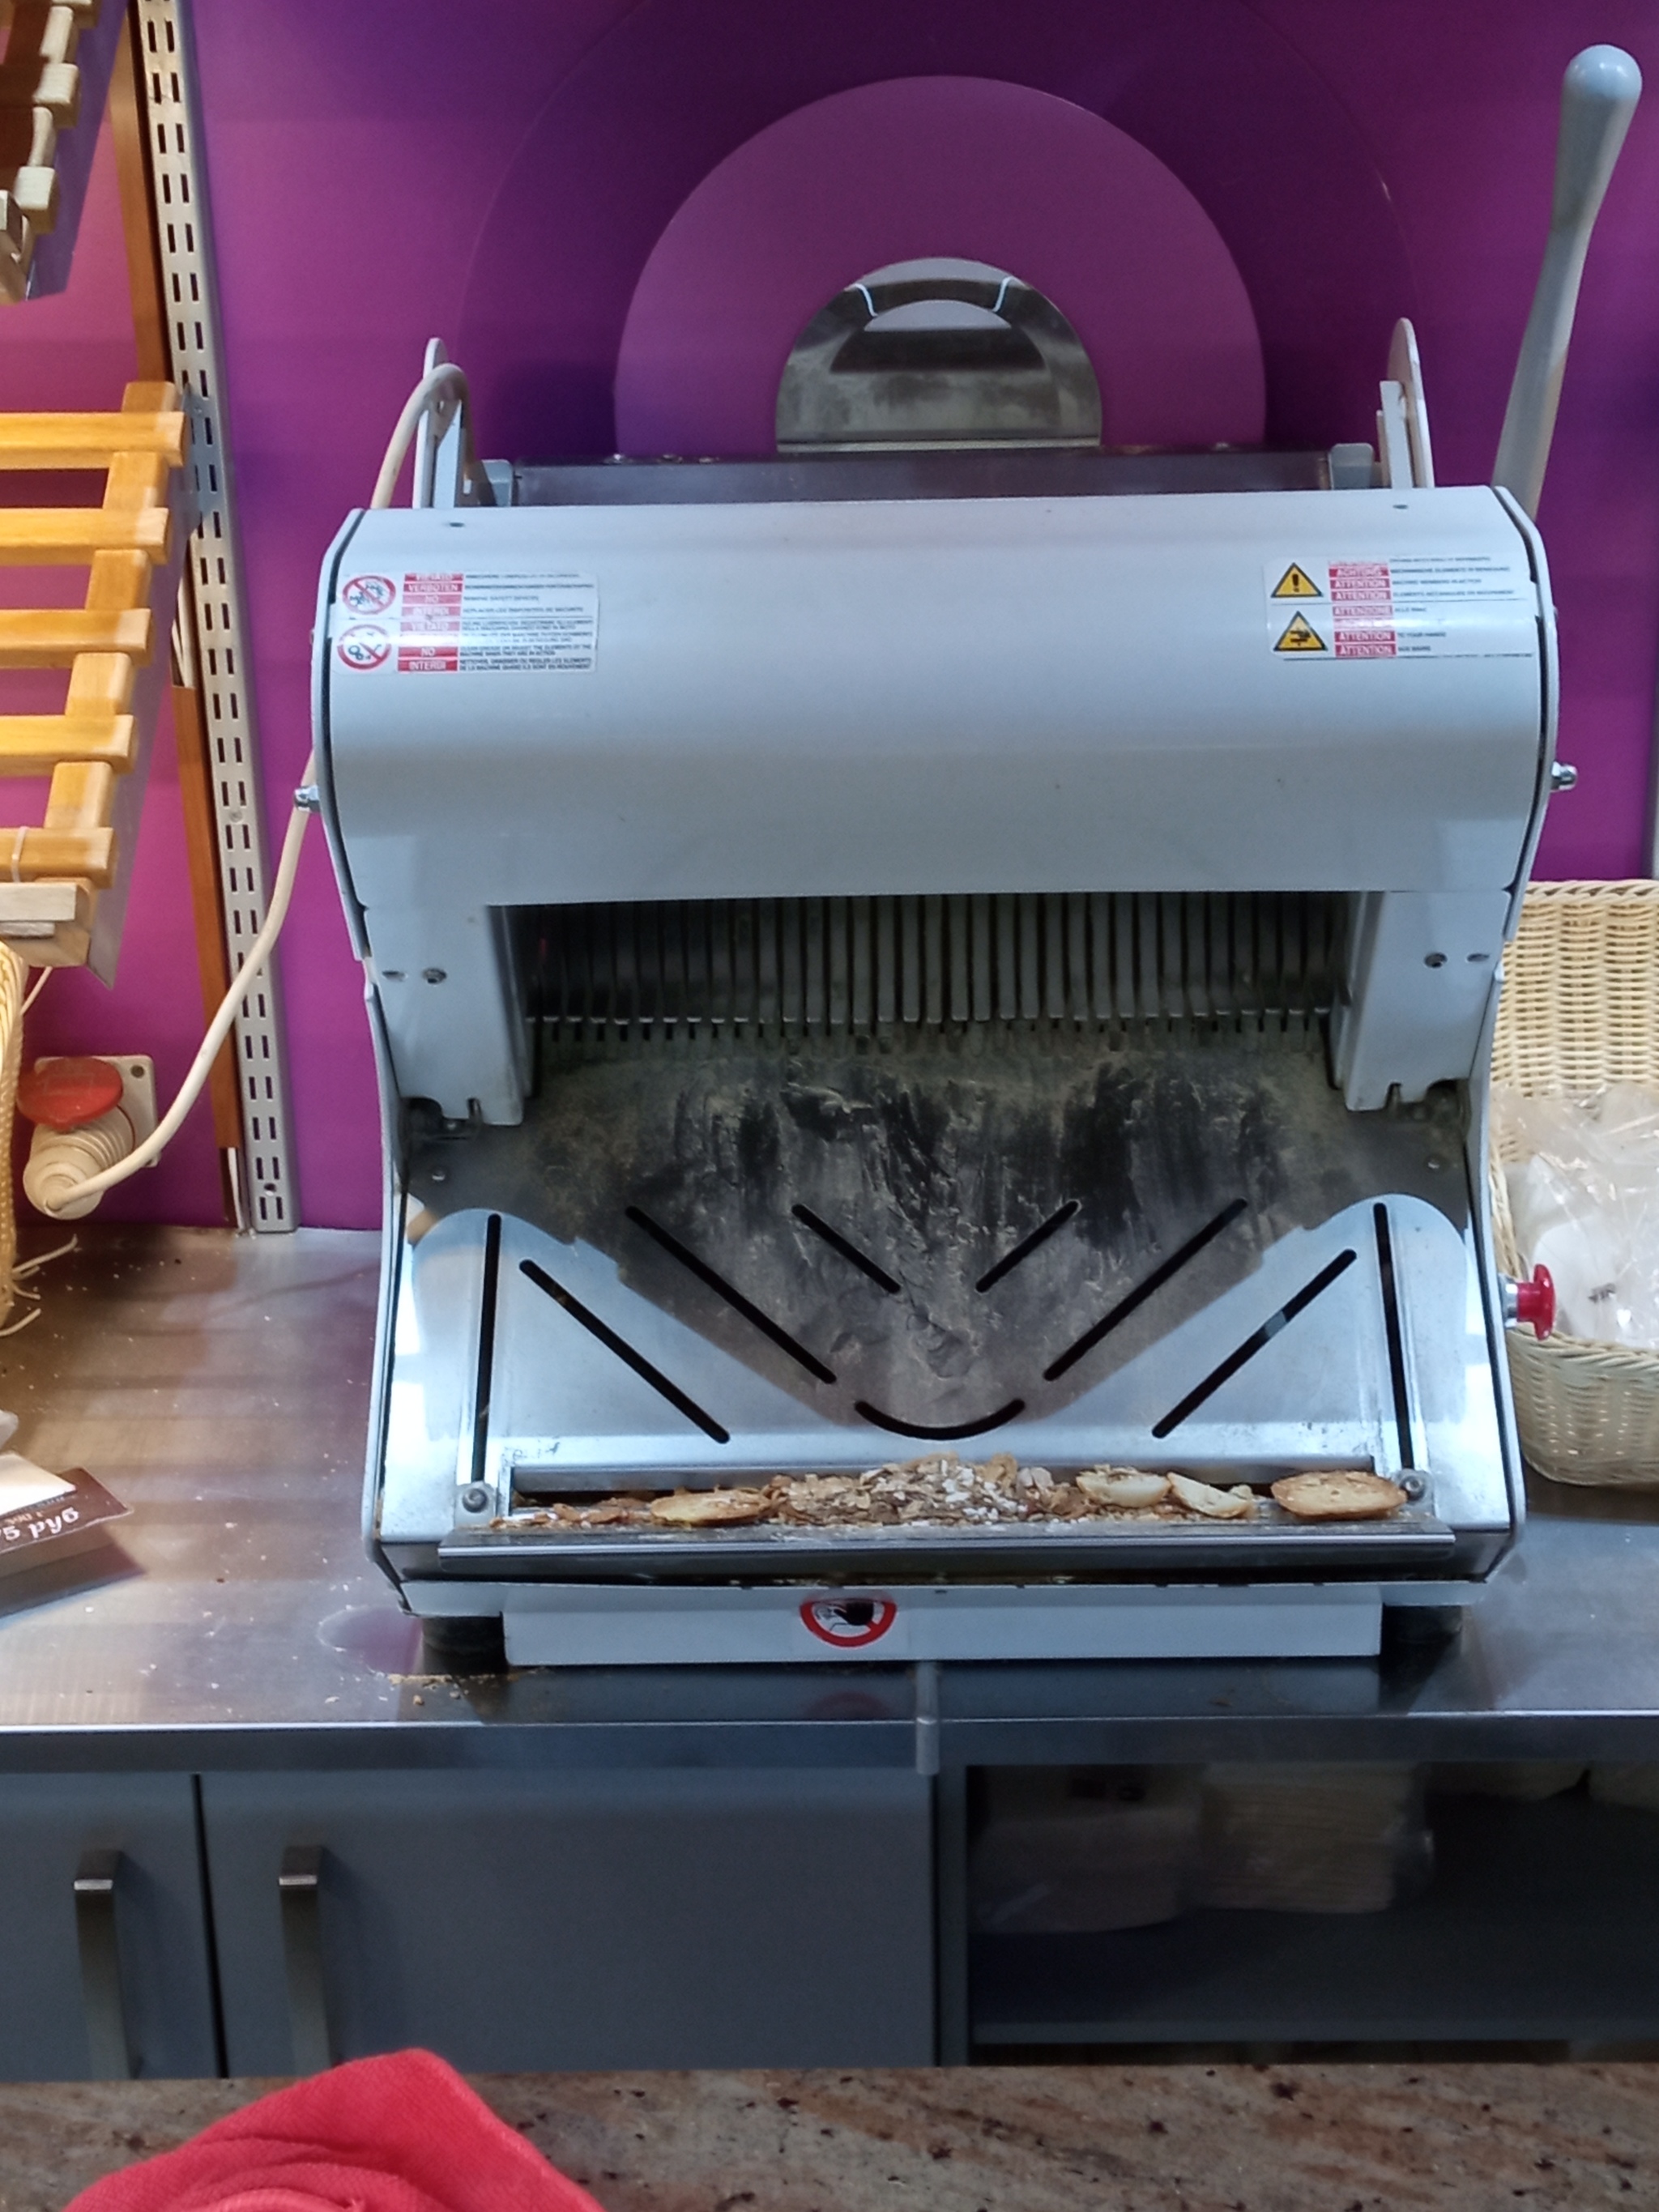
[
  {"x": 1534, "y": 1304},
  {"x": 66, "y": 1094}
]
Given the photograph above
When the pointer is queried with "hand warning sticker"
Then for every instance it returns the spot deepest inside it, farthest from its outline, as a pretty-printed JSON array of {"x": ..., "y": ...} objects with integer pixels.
[
  {"x": 1467, "y": 606},
  {"x": 466, "y": 623},
  {"x": 1299, "y": 635}
]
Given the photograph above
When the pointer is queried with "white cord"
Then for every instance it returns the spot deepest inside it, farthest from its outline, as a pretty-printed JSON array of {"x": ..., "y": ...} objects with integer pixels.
[
  {"x": 57, "y": 1252},
  {"x": 447, "y": 375},
  {"x": 219, "y": 1028},
  {"x": 46, "y": 977},
  {"x": 27, "y": 1290}
]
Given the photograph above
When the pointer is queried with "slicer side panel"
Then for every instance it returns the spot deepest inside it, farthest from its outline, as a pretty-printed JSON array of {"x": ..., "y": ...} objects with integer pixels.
[{"x": 432, "y": 1351}]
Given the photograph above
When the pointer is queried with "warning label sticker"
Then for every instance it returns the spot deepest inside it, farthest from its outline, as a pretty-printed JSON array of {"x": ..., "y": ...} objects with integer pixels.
[
  {"x": 1413, "y": 607},
  {"x": 367, "y": 595},
  {"x": 454, "y": 623},
  {"x": 364, "y": 646},
  {"x": 1297, "y": 584},
  {"x": 1299, "y": 635}
]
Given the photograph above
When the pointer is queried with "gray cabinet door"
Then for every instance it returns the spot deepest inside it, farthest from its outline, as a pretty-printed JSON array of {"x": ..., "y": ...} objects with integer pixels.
[
  {"x": 532, "y": 1923},
  {"x": 117, "y": 1978}
]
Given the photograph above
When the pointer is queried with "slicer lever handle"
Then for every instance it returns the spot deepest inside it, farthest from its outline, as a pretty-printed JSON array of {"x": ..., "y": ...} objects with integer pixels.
[
  {"x": 1598, "y": 98},
  {"x": 1530, "y": 1304}
]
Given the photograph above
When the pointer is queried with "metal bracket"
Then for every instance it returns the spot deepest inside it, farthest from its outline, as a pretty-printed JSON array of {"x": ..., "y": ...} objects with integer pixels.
[{"x": 211, "y": 634}]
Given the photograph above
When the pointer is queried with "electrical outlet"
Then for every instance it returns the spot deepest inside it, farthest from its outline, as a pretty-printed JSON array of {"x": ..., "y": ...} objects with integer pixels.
[{"x": 138, "y": 1099}]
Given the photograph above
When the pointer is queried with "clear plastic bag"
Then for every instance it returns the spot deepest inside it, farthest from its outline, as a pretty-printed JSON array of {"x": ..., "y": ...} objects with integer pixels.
[{"x": 1582, "y": 1177}]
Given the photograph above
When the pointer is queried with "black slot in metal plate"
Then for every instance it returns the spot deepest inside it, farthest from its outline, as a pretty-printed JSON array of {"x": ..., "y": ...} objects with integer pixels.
[{"x": 957, "y": 475}]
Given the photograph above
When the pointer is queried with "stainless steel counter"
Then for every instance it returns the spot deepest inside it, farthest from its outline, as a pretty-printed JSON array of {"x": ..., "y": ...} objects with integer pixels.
[{"x": 219, "y": 1387}]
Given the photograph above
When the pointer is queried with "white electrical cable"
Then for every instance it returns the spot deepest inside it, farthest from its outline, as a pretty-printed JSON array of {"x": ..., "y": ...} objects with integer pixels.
[
  {"x": 446, "y": 374},
  {"x": 218, "y": 1028}
]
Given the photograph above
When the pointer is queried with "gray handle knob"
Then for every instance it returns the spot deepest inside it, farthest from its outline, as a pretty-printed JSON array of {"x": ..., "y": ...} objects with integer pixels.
[
  {"x": 110, "y": 2051},
  {"x": 1598, "y": 98},
  {"x": 1599, "y": 94},
  {"x": 299, "y": 1891}
]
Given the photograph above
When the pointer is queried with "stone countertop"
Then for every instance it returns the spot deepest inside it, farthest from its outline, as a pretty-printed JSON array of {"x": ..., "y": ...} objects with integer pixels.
[{"x": 1293, "y": 2138}]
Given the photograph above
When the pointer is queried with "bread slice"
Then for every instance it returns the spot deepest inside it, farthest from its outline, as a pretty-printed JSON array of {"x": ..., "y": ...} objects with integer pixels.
[
  {"x": 709, "y": 1509},
  {"x": 1342, "y": 1496},
  {"x": 1123, "y": 1486},
  {"x": 1215, "y": 1504}
]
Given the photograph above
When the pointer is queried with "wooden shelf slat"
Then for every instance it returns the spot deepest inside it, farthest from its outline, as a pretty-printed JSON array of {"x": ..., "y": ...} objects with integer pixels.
[
  {"x": 99, "y": 684},
  {"x": 36, "y": 745},
  {"x": 55, "y": 86},
  {"x": 62, "y": 537},
  {"x": 59, "y": 899},
  {"x": 51, "y": 637},
  {"x": 54, "y": 853},
  {"x": 89, "y": 441},
  {"x": 119, "y": 582},
  {"x": 137, "y": 480}
]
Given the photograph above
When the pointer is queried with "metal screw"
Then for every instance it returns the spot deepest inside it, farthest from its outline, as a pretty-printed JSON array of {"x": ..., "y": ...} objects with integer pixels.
[
  {"x": 1433, "y": 1165},
  {"x": 476, "y": 1498},
  {"x": 1434, "y": 959},
  {"x": 438, "y": 1174},
  {"x": 1413, "y": 1485},
  {"x": 1563, "y": 776},
  {"x": 433, "y": 974}
]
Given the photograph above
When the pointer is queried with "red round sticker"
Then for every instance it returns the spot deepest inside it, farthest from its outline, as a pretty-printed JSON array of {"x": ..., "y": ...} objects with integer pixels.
[
  {"x": 848, "y": 1622},
  {"x": 363, "y": 646}
]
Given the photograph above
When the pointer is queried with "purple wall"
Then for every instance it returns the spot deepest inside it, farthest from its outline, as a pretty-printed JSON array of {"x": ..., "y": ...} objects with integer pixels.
[
  {"x": 993, "y": 171},
  {"x": 380, "y": 173}
]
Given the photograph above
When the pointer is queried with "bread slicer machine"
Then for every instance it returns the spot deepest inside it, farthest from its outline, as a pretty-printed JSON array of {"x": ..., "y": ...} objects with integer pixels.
[{"x": 878, "y": 954}]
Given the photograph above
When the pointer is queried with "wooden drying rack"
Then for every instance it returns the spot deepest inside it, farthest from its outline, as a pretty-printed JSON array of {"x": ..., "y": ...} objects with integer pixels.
[
  {"x": 51, "y": 874},
  {"x": 40, "y": 96}
]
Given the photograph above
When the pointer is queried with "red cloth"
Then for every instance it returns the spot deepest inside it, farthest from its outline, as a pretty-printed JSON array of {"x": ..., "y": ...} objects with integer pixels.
[{"x": 400, "y": 2134}]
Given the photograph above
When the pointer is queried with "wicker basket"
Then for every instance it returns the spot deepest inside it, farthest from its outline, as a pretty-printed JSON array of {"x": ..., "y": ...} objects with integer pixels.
[{"x": 1580, "y": 1008}]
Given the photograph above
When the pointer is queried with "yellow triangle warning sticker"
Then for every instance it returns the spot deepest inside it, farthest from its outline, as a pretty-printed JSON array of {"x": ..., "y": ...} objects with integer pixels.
[
  {"x": 1297, "y": 584},
  {"x": 1300, "y": 636}
]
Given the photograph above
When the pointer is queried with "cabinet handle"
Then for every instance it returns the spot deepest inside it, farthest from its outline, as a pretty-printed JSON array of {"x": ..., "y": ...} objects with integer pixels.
[
  {"x": 299, "y": 1890},
  {"x": 109, "y": 2042}
]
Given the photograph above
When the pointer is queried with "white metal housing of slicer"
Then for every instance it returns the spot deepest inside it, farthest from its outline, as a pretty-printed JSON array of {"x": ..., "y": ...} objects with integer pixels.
[{"x": 872, "y": 953}]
